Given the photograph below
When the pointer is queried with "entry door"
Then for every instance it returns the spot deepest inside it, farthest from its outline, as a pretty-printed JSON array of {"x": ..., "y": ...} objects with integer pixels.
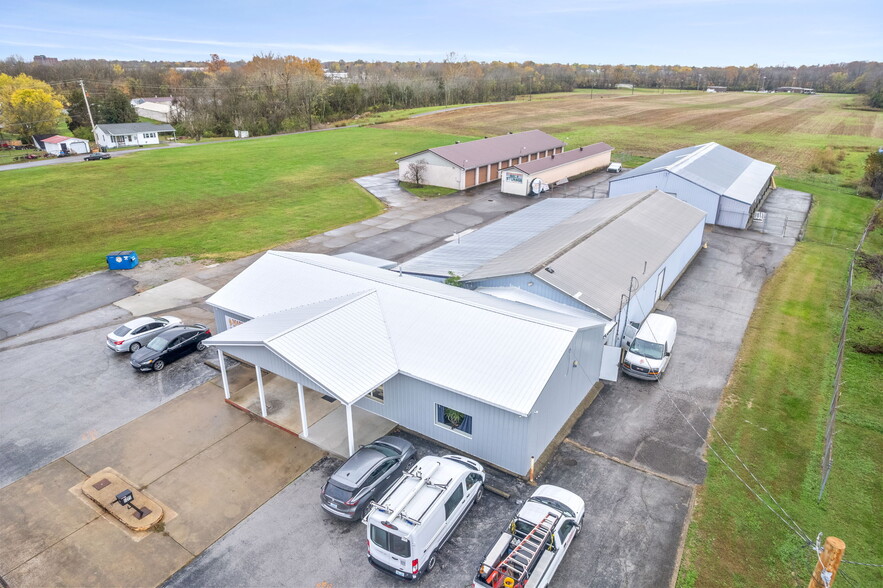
[{"x": 660, "y": 284}]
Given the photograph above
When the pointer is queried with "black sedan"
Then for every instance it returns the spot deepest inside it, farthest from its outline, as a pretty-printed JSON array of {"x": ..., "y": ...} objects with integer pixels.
[
  {"x": 366, "y": 476},
  {"x": 96, "y": 156},
  {"x": 169, "y": 346}
]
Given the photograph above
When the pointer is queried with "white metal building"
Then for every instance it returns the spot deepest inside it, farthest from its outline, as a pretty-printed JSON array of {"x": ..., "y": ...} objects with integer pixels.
[
  {"x": 344, "y": 329},
  {"x": 529, "y": 177},
  {"x": 726, "y": 184},
  {"x": 59, "y": 144},
  {"x": 612, "y": 258},
  {"x": 464, "y": 165}
]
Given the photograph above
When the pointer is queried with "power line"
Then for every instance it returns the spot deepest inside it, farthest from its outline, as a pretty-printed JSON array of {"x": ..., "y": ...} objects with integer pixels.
[{"x": 792, "y": 525}]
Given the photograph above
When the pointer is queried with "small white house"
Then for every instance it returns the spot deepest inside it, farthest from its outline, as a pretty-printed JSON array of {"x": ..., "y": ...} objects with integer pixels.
[
  {"x": 130, "y": 134},
  {"x": 61, "y": 145},
  {"x": 530, "y": 177}
]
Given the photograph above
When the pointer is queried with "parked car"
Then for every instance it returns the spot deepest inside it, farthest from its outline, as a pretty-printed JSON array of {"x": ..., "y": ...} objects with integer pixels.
[
  {"x": 420, "y": 512},
  {"x": 136, "y": 333},
  {"x": 366, "y": 476},
  {"x": 534, "y": 543},
  {"x": 96, "y": 156},
  {"x": 648, "y": 350},
  {"x": 169, "y": 346}
]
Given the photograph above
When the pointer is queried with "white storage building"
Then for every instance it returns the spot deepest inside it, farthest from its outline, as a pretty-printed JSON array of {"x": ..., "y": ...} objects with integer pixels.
[
  {"x": 612, "y": 258},
  {"x": 348, "y": 330},
  {"x": 726, "y": 184},
  {"x": 61, "y": 145},
  {"x": 528, "y": 178}
]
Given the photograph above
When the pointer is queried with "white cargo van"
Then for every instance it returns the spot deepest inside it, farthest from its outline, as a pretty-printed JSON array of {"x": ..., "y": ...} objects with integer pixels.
[
  {"x": 614, "y": 168},
  {"x": 420, "y": 512},
  {"x": 649, "y": 350}
]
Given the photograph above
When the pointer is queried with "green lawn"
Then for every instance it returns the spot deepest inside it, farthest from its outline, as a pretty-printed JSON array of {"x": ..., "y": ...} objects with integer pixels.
[
  {"x": 219, "y": 201},
  {"x": 774, "y": 414},
  {"x": 426, "y": 191}
]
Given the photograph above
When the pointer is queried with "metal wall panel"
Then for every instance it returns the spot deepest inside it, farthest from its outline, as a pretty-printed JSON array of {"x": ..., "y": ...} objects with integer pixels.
[{"x": 498, "y": 436}]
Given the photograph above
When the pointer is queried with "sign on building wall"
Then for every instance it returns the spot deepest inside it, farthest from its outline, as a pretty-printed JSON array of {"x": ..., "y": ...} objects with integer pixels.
[
  {"x": 517, "y": 178},
  {"x": 232, "y": 322}
]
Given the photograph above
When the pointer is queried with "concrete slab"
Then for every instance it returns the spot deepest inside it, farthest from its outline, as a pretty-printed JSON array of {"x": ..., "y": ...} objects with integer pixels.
[
  {"x": 163, "y": 439},
  {"x": 38, "y": 512},
  {"x": 179, "y": 292},
  {"x": 252, "y": 464},
  {"x": 283, "y": 407},
  {"x": 330, "y": 432},
  {"x": 95, "y": 556}
]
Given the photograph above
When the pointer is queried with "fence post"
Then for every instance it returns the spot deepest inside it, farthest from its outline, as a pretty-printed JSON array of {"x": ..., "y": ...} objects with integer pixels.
[{"x": 828, "y": 563}]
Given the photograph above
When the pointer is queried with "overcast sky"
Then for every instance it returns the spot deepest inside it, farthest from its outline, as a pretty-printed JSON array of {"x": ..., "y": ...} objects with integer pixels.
[{"x": 670, "y": 32}]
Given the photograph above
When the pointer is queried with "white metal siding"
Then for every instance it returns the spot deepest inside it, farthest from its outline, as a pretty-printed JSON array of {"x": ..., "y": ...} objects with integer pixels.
[
  {"x": 438, "y": 171},
  {"x": 498, "y": 436},
  {"x": 566, "y": 389},
  {"x": 733, "y": 213},
  {"x": 682, "y": 189}
]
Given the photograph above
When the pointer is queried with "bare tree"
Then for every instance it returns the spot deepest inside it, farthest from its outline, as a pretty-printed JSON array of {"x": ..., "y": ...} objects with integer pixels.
[{"x": 416, "y": 173}]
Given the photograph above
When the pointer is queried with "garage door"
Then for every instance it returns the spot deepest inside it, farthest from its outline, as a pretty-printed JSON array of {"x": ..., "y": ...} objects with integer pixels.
[
  {"x": 470, "y": 178},
  {"x": 482, "y": 175}
]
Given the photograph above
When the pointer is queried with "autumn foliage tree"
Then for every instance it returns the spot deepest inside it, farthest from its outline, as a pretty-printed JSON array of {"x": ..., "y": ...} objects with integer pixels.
[{"x": 28, "y": 106}]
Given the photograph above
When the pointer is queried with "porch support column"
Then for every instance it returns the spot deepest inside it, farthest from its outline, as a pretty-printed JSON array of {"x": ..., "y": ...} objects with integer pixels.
[
  {"x": 257, "y": 370},
  {"x": 349, "y": 428},
  {"x": 303, "y": 411},
  {"x": 223, "y": 365}
]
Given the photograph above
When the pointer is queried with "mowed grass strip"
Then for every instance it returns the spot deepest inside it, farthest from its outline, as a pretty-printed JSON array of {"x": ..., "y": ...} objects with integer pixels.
[
  {"x": 774, "y": 412},
  {"x": 219, "y": 201}
]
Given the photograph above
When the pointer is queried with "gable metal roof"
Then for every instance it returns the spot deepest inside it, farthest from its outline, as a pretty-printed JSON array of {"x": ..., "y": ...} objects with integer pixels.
[
  {"x": 494, "y": 149},
  {"x": 134, "y": 128},
  {"x": 496, "y": 351},
  {"x": 714, "y": 167},
  {"x": 592, "y": 246},
  {"x": 597, "y": 271},
  {"x": 544, "y": 163}
]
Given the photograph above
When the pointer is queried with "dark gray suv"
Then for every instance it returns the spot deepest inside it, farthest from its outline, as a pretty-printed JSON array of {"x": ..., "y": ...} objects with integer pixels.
[{"x": 366, "y": 476}]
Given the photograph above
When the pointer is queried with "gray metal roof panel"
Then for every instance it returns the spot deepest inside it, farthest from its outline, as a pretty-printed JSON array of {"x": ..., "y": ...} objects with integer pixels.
[
  {"x": 598, "y": 270},
  {"x": 714, "y": 167}
]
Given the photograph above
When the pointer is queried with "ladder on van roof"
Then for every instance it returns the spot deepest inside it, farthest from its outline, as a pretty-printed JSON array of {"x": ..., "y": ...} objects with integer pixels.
[
  {"x": 424, "y": 480},
  {"x": 520, "y": 561}
]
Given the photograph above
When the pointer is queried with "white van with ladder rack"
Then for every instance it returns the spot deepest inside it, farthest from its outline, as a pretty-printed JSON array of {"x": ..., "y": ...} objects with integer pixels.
[
  {"x": 532, "y": 547},
  {"x": 420, "y": 512}
]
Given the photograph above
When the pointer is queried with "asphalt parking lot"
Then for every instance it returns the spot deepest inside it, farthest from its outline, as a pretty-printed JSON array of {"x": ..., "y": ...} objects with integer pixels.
[
  {"x": 632, "y": 456},
  {"x": 65, "y": 392},
  {"x": 635, "y": 456}
]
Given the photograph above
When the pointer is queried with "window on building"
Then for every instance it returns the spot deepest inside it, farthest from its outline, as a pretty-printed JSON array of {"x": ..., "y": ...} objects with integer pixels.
[
  {"x": 453, "y": 419},
  {"x": 377, "y": 394}
]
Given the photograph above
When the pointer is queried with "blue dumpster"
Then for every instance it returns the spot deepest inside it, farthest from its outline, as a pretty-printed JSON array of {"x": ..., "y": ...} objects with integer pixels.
[{"x": 122, "y": 260}]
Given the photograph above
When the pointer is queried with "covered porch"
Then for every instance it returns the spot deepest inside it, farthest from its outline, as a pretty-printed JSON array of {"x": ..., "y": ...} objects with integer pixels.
[{"x": 324, "y": 421}]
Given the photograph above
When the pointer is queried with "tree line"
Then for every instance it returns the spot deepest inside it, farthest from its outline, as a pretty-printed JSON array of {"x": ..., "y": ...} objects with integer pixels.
[{"x": 275, "y": 93}]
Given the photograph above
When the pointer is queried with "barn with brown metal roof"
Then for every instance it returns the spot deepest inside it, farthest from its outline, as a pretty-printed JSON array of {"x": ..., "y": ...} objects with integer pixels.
[{"x": 464, "y": 165}]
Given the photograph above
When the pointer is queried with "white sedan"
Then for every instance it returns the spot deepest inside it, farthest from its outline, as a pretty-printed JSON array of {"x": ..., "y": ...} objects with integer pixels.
[{"x": 138, "y": 332}]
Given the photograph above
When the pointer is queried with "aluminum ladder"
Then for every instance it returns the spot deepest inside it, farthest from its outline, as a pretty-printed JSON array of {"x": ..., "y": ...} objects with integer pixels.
[{"x": 519, "y": 563}]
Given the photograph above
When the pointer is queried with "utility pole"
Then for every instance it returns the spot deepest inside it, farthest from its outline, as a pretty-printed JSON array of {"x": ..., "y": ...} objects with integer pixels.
[
  {"x": 89, "y": 110},
  {"x": 829, "y": 562}
]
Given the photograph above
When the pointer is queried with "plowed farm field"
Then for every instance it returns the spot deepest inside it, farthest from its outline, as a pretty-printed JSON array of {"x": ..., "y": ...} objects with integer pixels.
[{"x": 784, "y": 129}]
